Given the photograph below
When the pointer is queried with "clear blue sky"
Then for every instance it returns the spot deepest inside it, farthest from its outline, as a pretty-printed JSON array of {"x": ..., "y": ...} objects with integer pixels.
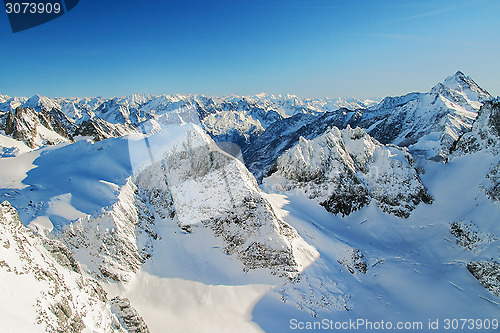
[{"x": 311, "y": 48}]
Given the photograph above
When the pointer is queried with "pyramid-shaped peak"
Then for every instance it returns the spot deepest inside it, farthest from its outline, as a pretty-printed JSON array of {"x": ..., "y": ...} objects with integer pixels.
[{"x": 465, "y": 84}]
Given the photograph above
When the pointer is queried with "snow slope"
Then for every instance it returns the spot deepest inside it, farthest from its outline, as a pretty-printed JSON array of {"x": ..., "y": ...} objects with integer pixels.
[
  {"x": 167, "y": 219},
  {"x": 11, "y": 148},
  {"x": 416, "y": 269}
]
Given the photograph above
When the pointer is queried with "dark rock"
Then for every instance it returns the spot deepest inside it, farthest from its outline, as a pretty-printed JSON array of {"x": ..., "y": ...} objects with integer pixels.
[
  {"x": 487, "y": 273},
  {"x": 128, "y": 316}
]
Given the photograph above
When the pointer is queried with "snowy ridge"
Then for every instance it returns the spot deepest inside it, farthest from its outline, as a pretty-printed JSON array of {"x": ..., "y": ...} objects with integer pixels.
[
  {"x": 114, "y": 233},
  {"x": 345, "y": 170},
  {"x": 484, "y": 133},
  {"x": 262, "y": 151},
  {"x": 108, "y": 244},
  {"x": 482, "y": 139},
  {"x": 427, "y": 123},
  {"x": 10, "y": 147},
  {"x": 48, "y": 296},
  {"x": 165, "y": 217}
]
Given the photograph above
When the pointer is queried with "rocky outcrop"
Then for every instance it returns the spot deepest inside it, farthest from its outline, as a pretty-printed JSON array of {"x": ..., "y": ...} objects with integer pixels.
[
  {"x": 354, "y": 261},
  {"x": 128, "y": 316},
  {"x": 484, "y": 137},
  {"x": 33, "y": 128},
  {"x": 469, "y": 236},
  {"x": 487, "y": 273},
  {"x": 472, "y": 238},
  {"x": 99, "y": 129},
  {"x": 429, "y": 124},
  {"x": 484, "y": 133}
]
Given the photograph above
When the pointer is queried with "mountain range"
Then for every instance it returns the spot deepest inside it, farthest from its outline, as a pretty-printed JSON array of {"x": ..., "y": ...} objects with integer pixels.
[{"x": 187, "y": 213}]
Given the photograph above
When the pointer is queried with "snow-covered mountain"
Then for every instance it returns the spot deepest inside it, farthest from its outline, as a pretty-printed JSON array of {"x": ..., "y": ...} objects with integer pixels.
[
  {"x": 484, "y": 133},
  {"x": 193, "y": 188},
  {"x": 234, "y": 118},
  {"x": 427, "y": 123},
  {"x": 345, "y": 170},
  {"x": 35, "y": 129},
  {"x": 158, "y": 200}
]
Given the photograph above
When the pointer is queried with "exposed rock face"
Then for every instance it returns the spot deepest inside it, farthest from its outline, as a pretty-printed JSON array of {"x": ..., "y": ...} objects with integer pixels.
[
  {"x": 263, "y": 151},
  {"x": 468, "y": 235},
  {"x": 485, "y": 132},
  {"x": 471, "y": 238},
  {"x": 62, "y": 254},
  {"x": 34, "y": 128},
  {"x": 47, "y": 294},
  {"x": 128, "y": 316},
  {"x": 345, "y": 170},
  {"x": 494, "y": 190},
  {"x": 100, "y": 129},
  {"x": 355, "y": 261},
  {"x": 484, "y": 138},
  {"x": 40, "y": 121},
  {"x": 487, "y": 273}
]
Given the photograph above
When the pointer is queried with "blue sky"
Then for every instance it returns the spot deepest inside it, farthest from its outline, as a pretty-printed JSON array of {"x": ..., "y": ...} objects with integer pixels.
[{"x": 311, "y": 48}]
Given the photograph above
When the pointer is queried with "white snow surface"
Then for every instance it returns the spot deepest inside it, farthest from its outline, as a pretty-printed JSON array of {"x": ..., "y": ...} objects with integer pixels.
[
  {"x": 11, "y": 148},
  {"x": 183, "y": 306},
  {"x": 429, "y": 123}
]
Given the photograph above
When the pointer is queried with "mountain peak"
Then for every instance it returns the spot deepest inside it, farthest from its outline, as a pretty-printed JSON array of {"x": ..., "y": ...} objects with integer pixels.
[
  {"x": 460, "y": 74},
  {"x": 459, "y": 77},
  {"x": 466, "y": 86}
]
